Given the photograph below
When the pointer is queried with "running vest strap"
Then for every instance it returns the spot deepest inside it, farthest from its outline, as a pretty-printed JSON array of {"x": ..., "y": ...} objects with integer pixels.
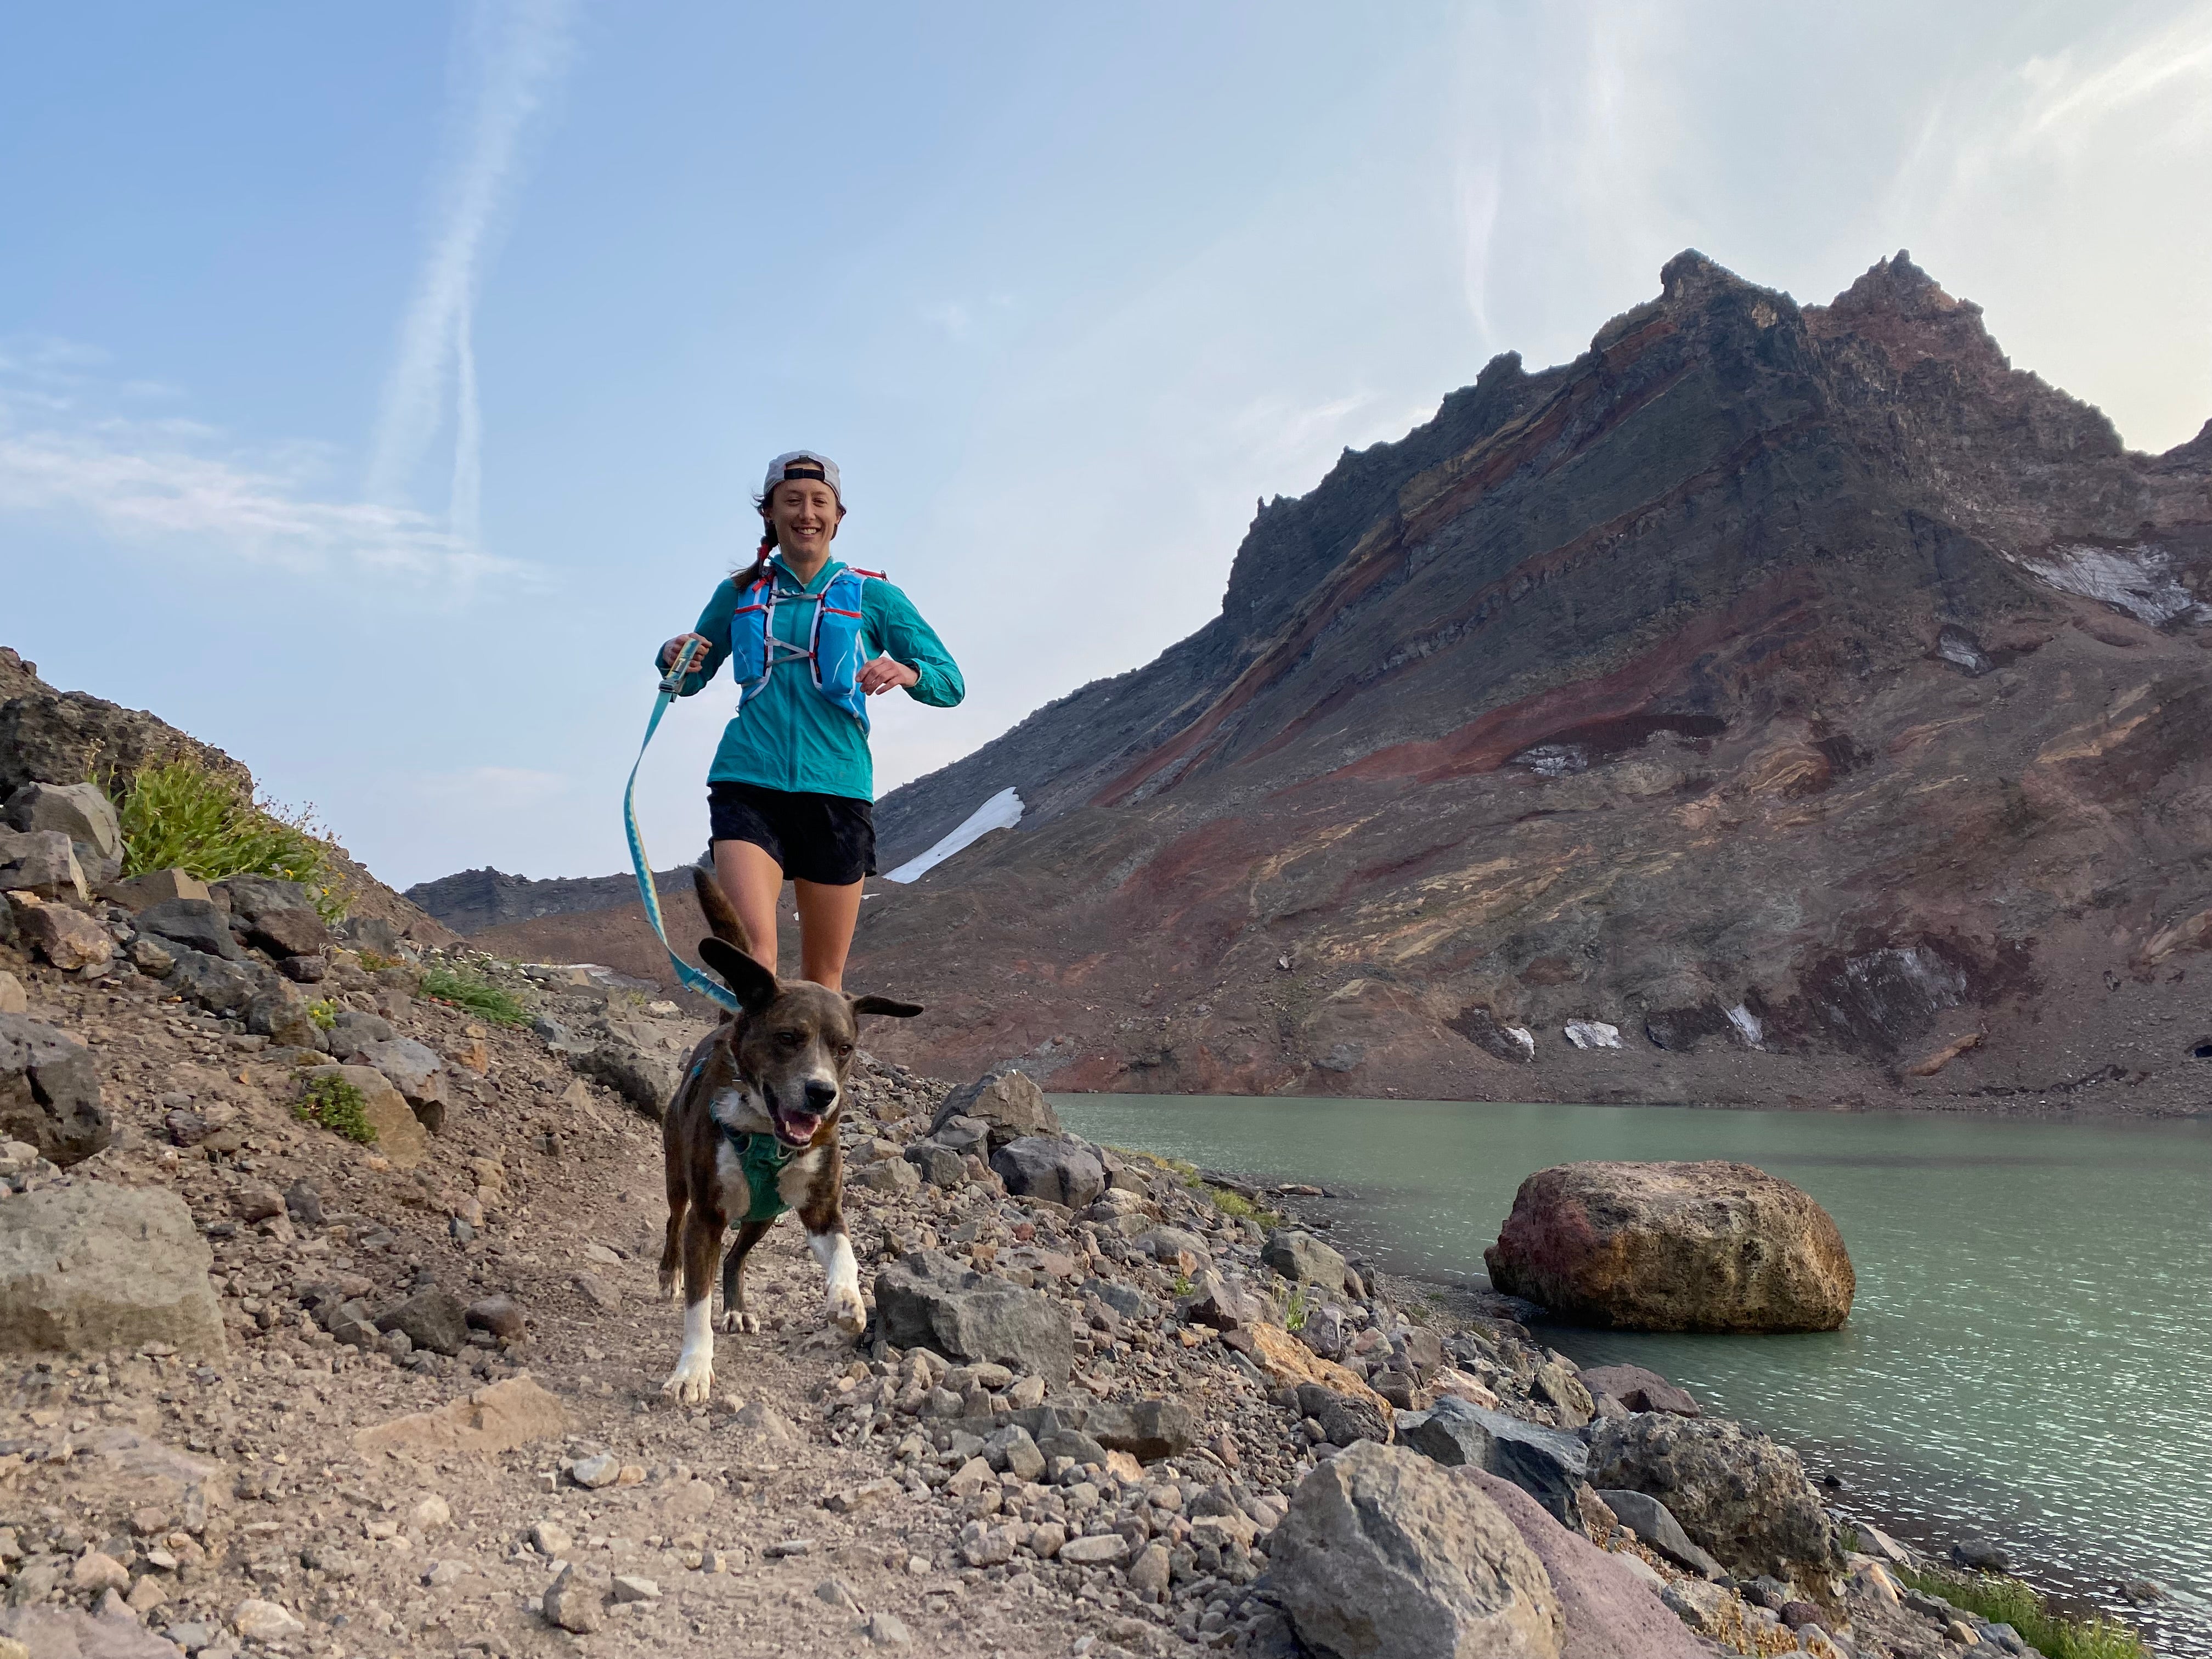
[{"x": 833, "y": 644}]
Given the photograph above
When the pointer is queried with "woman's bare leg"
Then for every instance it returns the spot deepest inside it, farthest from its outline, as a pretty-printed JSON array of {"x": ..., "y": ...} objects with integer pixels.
[
  {"x": 826, "y": 918},
  {"x": 754, "y": 882}
]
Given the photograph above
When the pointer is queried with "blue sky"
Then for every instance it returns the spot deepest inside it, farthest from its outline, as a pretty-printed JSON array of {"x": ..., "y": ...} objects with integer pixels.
[{"x": 378, "y": 384}]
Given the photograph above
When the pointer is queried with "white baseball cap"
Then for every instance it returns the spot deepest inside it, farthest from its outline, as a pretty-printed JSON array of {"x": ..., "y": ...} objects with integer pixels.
[{"x": 802, "y": 463}]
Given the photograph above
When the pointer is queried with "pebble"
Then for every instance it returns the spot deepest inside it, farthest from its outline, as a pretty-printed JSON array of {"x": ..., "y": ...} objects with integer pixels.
[
  {"x": 629, "y": 1587},
  {"x": 265, "y": 1622},
  {"x": 887, "y": 1630},
  {"x": 550, "y": 1539},
  {"x": 594, "y": 1472},
  {"x": 572, "y": 1604}
]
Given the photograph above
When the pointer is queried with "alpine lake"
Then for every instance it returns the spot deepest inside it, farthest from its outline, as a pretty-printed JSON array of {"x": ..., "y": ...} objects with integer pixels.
[{"x": 2028, "y": 1360}]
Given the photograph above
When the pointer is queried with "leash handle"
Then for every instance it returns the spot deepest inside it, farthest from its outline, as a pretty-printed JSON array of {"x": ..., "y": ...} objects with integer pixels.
[{"x": 671, "y": 683}]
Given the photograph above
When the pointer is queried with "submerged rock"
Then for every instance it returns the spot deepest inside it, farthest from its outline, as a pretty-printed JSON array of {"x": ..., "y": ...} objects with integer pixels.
[{"x": 1674, "y": 1247}]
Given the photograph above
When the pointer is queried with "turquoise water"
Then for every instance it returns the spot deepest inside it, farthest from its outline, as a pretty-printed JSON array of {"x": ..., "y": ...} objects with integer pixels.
[{"x": 2029, "y": 1356}]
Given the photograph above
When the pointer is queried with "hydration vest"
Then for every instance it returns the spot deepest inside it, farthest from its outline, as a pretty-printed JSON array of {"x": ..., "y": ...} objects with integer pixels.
[{"x": 833, "y": 645}]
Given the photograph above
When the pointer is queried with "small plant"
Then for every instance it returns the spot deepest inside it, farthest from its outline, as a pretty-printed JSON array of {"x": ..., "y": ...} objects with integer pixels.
[
  {"x": 338, "y": 1106},
  {"x": 1183, "y": 1286},
  {"x": 463, "y": 989},
  {"x": 324, "y": 1013},
  {"x": 1294, "y": 1316},
  {"x": 2003, "y": 1600},
  {"x": 178, "y": 815}
]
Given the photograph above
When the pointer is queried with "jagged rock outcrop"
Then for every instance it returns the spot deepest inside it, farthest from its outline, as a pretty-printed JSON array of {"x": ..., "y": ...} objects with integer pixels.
[{"x": 1800, "y": 690}]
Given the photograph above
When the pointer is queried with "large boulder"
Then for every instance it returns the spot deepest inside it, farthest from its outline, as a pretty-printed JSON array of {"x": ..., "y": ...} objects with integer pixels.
[
  {"x": 1148, "y": 1430},
  {"x": 65, "y": 935},
  {"x": 1674, "y": 1247},
  {"x": 90, "y": 1268},
  {"x": 1548, "y": 1464},
  {"x": 1735, "y": 1492},
  {"x": 41, "y": 861},
  {"x": 1059, "y": 1169},
  {"x": 432, "y": 1318},
  {"x": 251, "y": 898},
  {"x": 50, "y": 1092},
  {"x": 79, "y": 811},
  {"x": 225, "y": 988},
  {"x": 199, "y": 923},
  {"x": 928, "y": 1300},
  {"x": 1607, "y": 1611},
  {"x": 418, "y": 1073},
  {"x": 400, "y": 1136},
  {"x": 1638, "y": 1390},
  {"x": 1008, "y": 1101},
  {"x": 1304, "y": 1260},
  {"x": 1384, "y": 1555}
]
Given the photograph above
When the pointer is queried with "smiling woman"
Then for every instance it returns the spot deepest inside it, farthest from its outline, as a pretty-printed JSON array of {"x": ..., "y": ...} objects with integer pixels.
[{"x": 793, "y": 786}]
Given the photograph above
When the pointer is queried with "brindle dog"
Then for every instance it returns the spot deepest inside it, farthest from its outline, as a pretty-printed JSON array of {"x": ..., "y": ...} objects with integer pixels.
[{"x": 753, "y": 1132}]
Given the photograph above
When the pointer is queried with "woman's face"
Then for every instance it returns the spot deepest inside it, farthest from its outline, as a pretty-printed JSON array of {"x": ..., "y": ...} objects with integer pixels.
[{"x": 804, "y": 513}]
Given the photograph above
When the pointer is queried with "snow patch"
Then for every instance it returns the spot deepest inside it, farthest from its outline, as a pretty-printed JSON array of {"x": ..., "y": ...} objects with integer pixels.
[
  {"x": 2138, "y": 579},
  {"x": 1002, "y": 811},
  {"x": 1593, "y": 1034}
]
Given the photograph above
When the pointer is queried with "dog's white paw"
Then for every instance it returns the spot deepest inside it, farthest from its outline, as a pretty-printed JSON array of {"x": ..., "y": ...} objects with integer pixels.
[
  {"x": 735, "y": 1323},
  {"x": 846, "y": 1309},
  {"x": 692, "y": 1382}
]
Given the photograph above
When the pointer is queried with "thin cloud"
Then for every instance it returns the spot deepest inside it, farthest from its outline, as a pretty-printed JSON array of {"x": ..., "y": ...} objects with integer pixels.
[
  {"x": 520, "y": 50},
  {"x": 186, "y": 487}
]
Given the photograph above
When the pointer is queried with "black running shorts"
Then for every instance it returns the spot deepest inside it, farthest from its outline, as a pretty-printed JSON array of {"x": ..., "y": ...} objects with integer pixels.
[{"x": 830, "y": 839}]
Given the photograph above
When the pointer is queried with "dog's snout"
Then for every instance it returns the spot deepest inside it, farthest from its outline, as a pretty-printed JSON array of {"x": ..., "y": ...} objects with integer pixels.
[{"x": 820, "y": 1095}]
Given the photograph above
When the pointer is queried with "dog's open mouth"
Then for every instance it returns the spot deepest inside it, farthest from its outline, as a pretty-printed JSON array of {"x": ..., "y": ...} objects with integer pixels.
[{"x": 794, "y": 1128}]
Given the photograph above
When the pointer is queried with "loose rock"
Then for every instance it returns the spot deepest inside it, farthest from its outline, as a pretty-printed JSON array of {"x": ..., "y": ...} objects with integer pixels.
[{"x": 1385, "y": 1555}]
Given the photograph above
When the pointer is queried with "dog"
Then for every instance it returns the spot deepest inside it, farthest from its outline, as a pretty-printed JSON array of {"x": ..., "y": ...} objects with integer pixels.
[{"x": 752, "y": 1132}]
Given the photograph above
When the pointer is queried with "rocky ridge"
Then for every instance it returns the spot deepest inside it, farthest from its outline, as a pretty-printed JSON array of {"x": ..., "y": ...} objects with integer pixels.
[{"x": 1502, "y": 772}]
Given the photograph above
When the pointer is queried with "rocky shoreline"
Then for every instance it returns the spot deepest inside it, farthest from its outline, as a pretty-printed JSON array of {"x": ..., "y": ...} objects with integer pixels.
[{"x": 405, "y": 1397}]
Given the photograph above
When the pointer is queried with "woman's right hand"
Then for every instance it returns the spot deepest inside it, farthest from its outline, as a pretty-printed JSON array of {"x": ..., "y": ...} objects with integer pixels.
[{"x": 674, "y": 647}]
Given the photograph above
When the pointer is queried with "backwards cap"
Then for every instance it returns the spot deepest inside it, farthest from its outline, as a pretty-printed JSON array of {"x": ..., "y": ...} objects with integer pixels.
[{"x": 802, "y": 463}]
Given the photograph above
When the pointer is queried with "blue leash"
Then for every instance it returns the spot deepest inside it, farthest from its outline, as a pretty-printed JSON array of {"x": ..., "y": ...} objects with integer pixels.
[{"x": 713, "y": 989}]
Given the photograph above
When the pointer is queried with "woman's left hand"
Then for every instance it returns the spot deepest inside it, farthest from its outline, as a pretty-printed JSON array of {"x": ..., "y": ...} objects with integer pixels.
[{"x": 881, "y": 675}]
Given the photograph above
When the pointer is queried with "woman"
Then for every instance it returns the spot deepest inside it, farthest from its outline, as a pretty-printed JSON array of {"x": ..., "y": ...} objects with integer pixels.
[{"x": 791, "y": 789}]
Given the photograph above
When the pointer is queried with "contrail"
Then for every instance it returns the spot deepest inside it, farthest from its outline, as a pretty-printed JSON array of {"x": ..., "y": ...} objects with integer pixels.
[{"x": 521, "y": 49}]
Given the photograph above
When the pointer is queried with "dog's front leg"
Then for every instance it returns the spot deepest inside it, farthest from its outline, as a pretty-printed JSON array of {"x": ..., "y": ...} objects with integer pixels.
[
  {"x": 841, "y": 1290},
  {"x": 692, "y": 1382}
]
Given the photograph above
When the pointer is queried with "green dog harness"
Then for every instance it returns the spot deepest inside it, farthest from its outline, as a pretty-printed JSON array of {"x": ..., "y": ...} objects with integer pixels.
[{"x": 763, "y": 1158}]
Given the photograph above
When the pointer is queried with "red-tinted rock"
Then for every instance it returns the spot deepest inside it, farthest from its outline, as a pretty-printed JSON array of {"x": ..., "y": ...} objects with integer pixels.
[
  {"x": 1607, "y": 1613},
  {"x": 1640, "y": 1390},
  {"x": 1674, "y": 1247}
]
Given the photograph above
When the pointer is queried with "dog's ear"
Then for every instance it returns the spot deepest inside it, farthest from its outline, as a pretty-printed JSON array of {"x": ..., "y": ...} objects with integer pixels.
[
  {"x": 756, "y": 987},
  {"x": 883, "y": 1005}
]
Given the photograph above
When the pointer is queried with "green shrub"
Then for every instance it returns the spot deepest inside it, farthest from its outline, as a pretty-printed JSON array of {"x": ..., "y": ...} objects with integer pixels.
[
  {"x": 338, "y": 1106},
  {"x": 463, "y": 989},
  {"x": 2003, "y": 1600},
  {"x": 1294, "y": 1316},
  {"x": 179, "y": 816},
  {"x": 323, "y": 1012}
]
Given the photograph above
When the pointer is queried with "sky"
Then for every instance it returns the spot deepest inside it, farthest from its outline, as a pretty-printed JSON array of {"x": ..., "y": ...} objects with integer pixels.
[{"x": 380, "y": 385}]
